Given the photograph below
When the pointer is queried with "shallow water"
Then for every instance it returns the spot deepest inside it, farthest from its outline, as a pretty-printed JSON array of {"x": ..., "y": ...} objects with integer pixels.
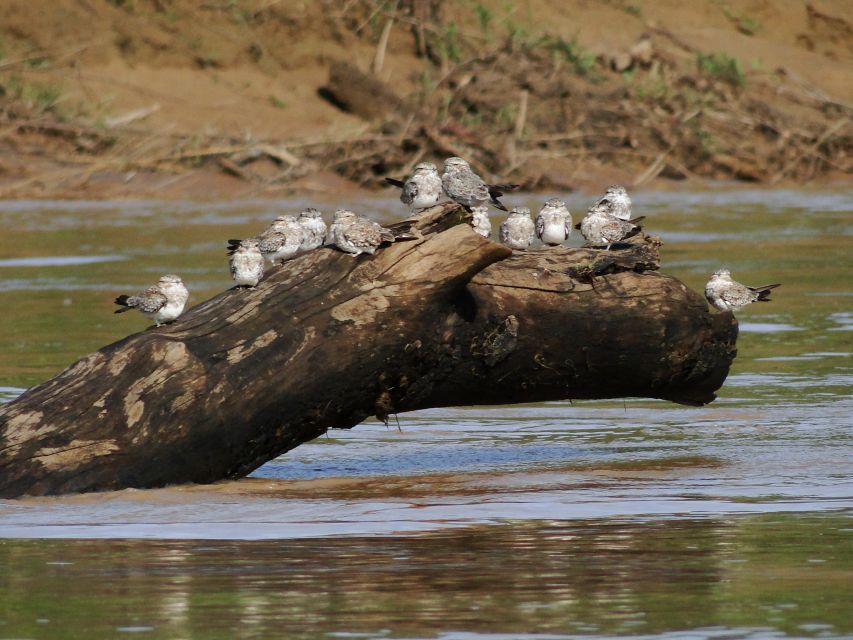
[{"x": 556, "y": 520}]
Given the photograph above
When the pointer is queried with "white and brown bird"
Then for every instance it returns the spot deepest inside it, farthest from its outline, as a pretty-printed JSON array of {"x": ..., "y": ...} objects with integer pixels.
[
  {"x": 465, "y": 187},
  {"x": 420, "y": 190},
  {"x": 279, "y": 241},
  {"x": 601, "y": 228},
  {"x": 247, "y": 263},
  {"x": 616, "y": 202},
  {"x": 728, "y": 295},
  {"x": 355, "y": 234},
  {"x": 554, "y": 222},
  {"x": 518, "y": 230},
  {"x": 282, "y": 239},
  {"x": 313, "y": 228},
  {"x": 480, "y": 220},
  {"x": 163, "y": 302}
]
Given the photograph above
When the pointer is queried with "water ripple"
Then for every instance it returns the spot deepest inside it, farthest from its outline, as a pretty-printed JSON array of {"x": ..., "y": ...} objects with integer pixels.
[{"x": 59, "y": 261}]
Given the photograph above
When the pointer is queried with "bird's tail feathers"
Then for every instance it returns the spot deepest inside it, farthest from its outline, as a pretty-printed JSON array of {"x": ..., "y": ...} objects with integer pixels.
[
  {"x": 406, "y": 235},
  {"x": 764, "y": 291},
  {"x": 637, "y": 220},
  {"x": 497, "y": 190},
  {"x": 395, "y": 183},
  {"x": 233, "y": 245},
  {"x": 637, "y": 229},
  {"x": 498, "y": 204},
  {"x": 122, "y": 300}
]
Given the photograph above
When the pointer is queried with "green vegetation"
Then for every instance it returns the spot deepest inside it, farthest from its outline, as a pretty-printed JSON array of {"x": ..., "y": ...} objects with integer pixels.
[
  {"x": 506, "y": 116},
  {"x": 37, "y": 62},
  {"x": 705, "y": 139},
  {"x": 278, "y": 103},
  {"x": 652, "y": 85},
  {"x": 572, "y": 52},
  {"x": 485, "y": 16},
  {"x": 43, "y": 96},
  {"x": 449, "y": 43},
  {"x": 744, "y": 23},
  {"x": 722, "y": 66}
]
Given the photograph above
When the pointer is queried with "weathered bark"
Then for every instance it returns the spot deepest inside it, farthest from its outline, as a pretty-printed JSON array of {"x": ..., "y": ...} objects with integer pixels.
[
  {"x": 327, "y": 340},
  {"x": 361, "y": 93}
]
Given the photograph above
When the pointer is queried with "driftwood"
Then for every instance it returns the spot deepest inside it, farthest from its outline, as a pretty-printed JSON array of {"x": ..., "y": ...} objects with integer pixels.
[
  {"x": 327, "y": 340},
  {"x": 360, "y": 93}
]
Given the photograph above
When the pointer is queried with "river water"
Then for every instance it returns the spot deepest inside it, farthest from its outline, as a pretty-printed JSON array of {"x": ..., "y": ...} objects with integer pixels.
[{"x": 631, "y": 518}]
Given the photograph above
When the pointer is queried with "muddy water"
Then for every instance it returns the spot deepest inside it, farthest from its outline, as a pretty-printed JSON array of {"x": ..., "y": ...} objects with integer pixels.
[{"x": 635, "y": 518}]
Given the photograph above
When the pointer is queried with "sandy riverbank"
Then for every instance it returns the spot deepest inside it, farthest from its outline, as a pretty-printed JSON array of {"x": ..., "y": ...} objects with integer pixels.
[{"x": 169, "y": 98}]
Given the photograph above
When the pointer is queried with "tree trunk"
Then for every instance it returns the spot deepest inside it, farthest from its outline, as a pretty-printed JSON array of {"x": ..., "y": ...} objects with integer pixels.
[{"x": 325, "y": 341}]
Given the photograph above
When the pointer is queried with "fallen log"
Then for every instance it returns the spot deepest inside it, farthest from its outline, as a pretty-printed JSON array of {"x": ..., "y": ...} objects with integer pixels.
[{"x": 327, "y": 340}]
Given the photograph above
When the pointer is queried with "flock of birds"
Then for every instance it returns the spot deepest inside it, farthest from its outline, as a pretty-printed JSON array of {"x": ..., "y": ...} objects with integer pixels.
[{"x": 607, "y": 222}]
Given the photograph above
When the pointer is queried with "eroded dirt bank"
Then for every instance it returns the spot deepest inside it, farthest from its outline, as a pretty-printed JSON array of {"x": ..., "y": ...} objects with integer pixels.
[{"x": 228, "y": 98}]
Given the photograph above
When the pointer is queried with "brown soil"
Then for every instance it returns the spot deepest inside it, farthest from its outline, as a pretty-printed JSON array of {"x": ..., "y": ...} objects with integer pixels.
[{"x": 233, "y": 97}]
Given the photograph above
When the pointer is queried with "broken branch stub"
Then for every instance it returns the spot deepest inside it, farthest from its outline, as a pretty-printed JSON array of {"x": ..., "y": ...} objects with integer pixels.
[{"x": 446, "y": 318}]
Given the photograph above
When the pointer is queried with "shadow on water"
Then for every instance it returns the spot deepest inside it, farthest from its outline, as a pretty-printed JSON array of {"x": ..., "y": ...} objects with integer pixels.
[{"x": 554, "y": 520}]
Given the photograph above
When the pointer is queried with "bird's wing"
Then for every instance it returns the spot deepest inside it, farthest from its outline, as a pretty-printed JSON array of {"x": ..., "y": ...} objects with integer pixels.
[
  {"x": 410, "y": 192},
  {"x": 736, "y": 294},
  {"x": 150, "y": 301},
  {"x": 630, "y": 229},
  {"x": 385, "y": 234},
  {"x": 271, "y": 241},
  {"x": 481, "y": 191},
  {"x": 604, "y": 200},
  {"x": 614, "y": 230},
  {"x": 540, "y": 225},
  {"x": 364, "y": 233},
  {"x": 503, "y": 233},
  {"x": 395, "y": 183}
]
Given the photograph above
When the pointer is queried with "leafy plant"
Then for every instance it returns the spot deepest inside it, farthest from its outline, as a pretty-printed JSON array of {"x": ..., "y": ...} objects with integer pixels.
[
  {"x": 485, "y": 16},
  {"x": 506, "y": 115},
  {"x": 572, "y": 52},
  {"x": 449, "y": 43},
  {"x": 744, "y": 23},
  {"x": 654, "y": 87},
  {"x": 44, "y": 96},
  {"x": 722, "y": 66}
]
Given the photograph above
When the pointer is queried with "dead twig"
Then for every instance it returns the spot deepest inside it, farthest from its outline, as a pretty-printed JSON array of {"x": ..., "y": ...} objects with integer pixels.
[
  {"x": 132, "y": 116},
  {"x": 382, "y": 45},
  {"x": 826, "y": 135}
]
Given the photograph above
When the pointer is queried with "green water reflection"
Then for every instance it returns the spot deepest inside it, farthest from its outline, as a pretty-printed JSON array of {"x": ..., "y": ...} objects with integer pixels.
[{"x": 791, "y": 573}]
